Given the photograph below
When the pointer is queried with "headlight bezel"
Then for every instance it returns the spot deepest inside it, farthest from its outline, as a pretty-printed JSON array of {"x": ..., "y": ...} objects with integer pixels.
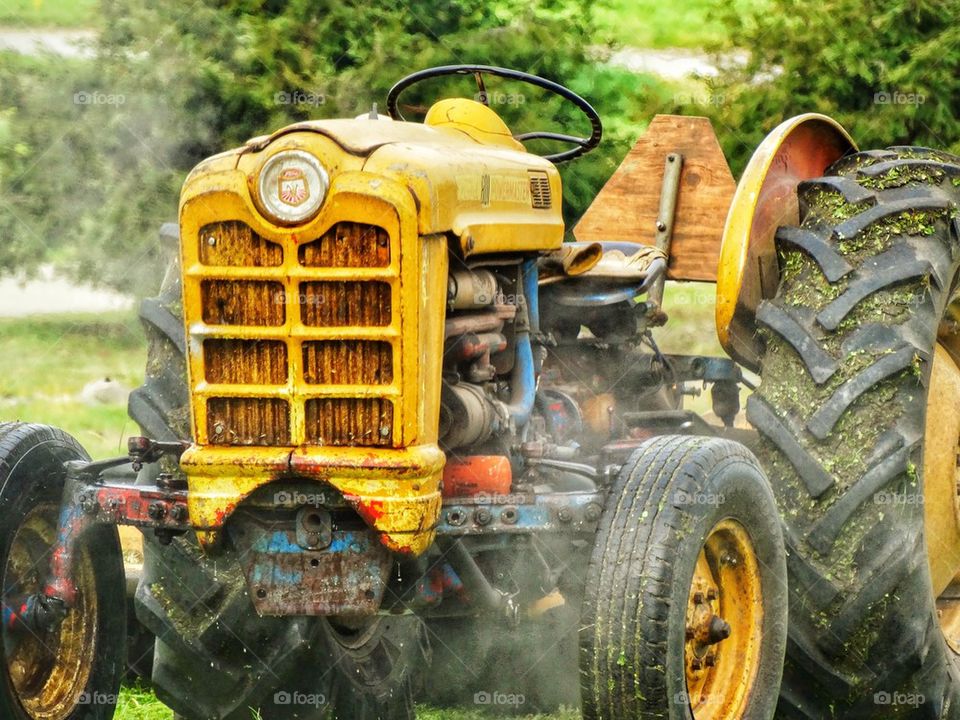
[{"x": 269, "y": 191}]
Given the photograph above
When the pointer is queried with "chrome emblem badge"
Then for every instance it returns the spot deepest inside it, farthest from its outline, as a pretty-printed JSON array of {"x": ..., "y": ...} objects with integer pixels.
[{"x": 293, "y": 187}]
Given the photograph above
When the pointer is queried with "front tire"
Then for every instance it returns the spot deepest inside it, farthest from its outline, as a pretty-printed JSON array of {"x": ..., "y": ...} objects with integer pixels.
[
  {"x": 685, "y": 612},
  {"x": 73, "y": 672}
]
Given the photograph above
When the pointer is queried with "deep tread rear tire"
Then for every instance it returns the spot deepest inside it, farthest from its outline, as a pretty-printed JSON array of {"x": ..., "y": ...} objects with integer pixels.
[{"x": 842, "y": 407}]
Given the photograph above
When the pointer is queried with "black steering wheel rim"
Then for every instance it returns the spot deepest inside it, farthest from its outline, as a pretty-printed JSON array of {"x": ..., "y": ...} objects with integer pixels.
[{"x": 582, "y": 144}]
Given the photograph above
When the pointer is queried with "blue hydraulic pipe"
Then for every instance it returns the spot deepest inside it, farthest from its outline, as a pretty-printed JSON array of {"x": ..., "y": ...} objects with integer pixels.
[{"x": 524, "y": 379}]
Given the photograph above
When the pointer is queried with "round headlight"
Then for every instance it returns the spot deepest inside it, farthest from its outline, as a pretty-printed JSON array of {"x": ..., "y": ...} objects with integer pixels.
[{"x": 292, "y": 186}]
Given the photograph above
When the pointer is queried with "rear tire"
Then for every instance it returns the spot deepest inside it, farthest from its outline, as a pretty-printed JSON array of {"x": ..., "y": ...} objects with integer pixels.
[
  {"x": 850, "y": 337},
  {"x": 681, "y": 505}
]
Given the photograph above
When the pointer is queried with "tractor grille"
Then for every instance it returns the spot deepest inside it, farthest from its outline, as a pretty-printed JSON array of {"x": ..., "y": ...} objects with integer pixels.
[
  {"x": 307, "y": 349},
  {"x": 540, "y": 195}
]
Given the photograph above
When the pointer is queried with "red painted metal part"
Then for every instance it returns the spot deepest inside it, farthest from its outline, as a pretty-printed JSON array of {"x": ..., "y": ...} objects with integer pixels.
[{"x": 476, "y": 475}]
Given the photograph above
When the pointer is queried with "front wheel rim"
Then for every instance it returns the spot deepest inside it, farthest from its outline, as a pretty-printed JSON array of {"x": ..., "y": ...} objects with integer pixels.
[
  {"x": 724, "y": 624},
  {"x": 50, "y": 671}
]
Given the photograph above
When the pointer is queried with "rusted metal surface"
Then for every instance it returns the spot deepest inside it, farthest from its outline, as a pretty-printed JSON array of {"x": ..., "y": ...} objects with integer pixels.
[
  {"x": 234, "y": 243},
  {"x": 348, "y": 244},
  {"x": 248, "y": 421},
  {"x": 350, "y": 422},
  {"x": 347, "y": 576},
  {"x": 347, "y": 362},
  {"x": 245, "y": 362},
  {"x": 242, "y": 302},
  {"x": 49, "y": 666}
]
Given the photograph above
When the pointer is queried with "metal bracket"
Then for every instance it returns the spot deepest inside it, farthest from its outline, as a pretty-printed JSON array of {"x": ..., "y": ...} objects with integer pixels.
[{"x": 669, "y": 191}]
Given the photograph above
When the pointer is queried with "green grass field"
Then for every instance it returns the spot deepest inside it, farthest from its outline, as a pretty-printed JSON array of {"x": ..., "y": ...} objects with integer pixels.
[
  {"x": 48, "y": 13},
  {"x": 657, "y": 24},
  {"x": 47, "y": 361}
]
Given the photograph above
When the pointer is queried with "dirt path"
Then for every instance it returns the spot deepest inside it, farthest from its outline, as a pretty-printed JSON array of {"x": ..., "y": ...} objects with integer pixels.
[
  {"x": 51, "y": 294},
  {"x": 30, "y": 41}
]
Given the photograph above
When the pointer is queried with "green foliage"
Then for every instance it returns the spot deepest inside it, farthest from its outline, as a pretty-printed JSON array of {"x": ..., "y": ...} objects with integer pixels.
[
  {"x": 888, "y": 70},
  {"x": 87, "y": 184}
]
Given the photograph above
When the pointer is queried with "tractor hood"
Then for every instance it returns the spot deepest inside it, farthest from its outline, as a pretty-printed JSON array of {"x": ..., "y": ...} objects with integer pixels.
[{"x": 466, "y": 173}]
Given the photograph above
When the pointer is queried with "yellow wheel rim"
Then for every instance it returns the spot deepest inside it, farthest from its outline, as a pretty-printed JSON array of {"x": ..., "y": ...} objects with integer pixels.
[
  {"x": 941, "y": 452},
  {"x": 49, "y": 671},
  {"x": 724, "y": 624}
]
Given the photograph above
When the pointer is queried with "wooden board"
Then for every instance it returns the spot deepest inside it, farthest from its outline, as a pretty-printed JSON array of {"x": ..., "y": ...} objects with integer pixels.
[{"x": 626, "y": 207}]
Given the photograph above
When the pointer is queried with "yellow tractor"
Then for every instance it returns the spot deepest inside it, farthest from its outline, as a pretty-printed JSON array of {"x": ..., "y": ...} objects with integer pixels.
[{"x": 402, "y": 442}]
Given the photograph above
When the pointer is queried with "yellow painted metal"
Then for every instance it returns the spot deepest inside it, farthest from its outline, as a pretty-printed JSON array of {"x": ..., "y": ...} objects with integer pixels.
[
  {"x": 726, "y": 585},
  {"x": 798, "y": 149},
  {"x": 477, "y": 190},
  {"x": 418, "y": 184},
  {"x": 940, "y": 473},
  {"x": 474, "y": 120}
]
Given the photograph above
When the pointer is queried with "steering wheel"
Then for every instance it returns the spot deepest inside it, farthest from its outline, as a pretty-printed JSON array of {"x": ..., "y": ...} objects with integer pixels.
[{"x": 582, "y": 144}]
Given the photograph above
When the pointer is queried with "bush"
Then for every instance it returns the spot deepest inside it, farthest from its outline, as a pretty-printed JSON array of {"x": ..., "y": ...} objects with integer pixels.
[{"x": 889, "y": 71}]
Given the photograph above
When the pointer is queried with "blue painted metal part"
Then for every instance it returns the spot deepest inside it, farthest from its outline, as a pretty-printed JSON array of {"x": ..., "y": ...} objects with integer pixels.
[
  {"x": 575, "y": 512},
  {"x": 524, "y": 380}
]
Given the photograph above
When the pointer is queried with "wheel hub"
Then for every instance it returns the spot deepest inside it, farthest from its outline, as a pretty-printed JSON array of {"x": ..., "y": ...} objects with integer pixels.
[
  {"x": 724, "y": 621},
  {"x": 49, "y": 669}
]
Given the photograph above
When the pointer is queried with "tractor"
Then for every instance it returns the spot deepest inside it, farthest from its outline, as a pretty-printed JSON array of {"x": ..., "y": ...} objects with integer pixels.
[{"x": 403, "y": 442}]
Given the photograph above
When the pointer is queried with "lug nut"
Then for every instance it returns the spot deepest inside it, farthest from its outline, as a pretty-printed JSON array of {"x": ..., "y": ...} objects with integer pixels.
[
  {"x": 696, "y": 664},
  {"x": 710, "y": 660},
  {"x": 482, "y": 516},
  {"x": 178, "y": 513},
  {"x": 564, "y": 515},
  {"x": 698, "y": 598},
  {"x": 156, "y": 511}
]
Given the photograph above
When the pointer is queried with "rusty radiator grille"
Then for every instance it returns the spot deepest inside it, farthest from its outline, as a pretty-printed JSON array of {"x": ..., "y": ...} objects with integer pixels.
[
  {"x": 235, "y": 244},
  {"x": 348, "y": 244},
  {"x": 347, "y": 362},
  {"x": 540, "y": 194},
  {"x": 251, "y": 362},
  {"x": 248, "y": 421},
  {"x": 349, "y": 422},
  {"x": 350, "y": 303},
  {"x": 242, "y": 302}
]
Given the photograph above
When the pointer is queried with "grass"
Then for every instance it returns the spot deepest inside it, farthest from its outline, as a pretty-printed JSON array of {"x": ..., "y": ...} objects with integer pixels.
[
  {"x": 47, "y": 361},
  {"x": 49, "y": 13},
  {"x": 658, "y": 24}
]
